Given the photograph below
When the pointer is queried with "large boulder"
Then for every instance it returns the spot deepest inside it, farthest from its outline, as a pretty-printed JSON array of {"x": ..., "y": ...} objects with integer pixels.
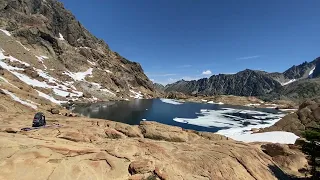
[
  {"x": 290, "y": 158},
  {"x": 141, "y": 166},
  {"x": 307, "y": 117}
]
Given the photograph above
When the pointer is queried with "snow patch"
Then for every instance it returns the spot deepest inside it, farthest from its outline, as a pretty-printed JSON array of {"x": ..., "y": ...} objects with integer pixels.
[
  {"x": 59, "y": 89},
  {"x": 61, "y": 37},
  {"x": 41, "y": 59},
  {"x": 252, "y": 105},
  {"x": 14, "y": 97},
  {"x": 108, "y": 71},
  {"x": 311, "y": 72},
  {"x": 108, "y": 91},
  {"x": 6, "y": 32},
  {"x": 41, "y": 94},
  {"x": 136, "y": 95},
  {"x": 29, "y": 101},
  {"x": 171, "y": 101},
  {"x": 289, "y": 82},
  {"x": 79, "y": 76},
  {"x": 92, "y": 63},
  {"x": 23, "y": 46},
  {"x": 211, "y": 102},
  {"x": 272, "y": 137}
]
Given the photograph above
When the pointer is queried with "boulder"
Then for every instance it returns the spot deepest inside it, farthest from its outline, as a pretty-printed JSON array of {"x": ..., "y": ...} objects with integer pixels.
[
  {"x": 290, "y": 158},
  {"x": 306, "y": 103},
  {"x": 141, "y": 167},
  {"x": 274, "y": 149},
  {"x": 54, "y": 111},
  {"x": 87, "y": 95},
  {"x": 300, "y": 141},
  {"x": 316, "y": 114},
  {"x": 12, "y": 130},
  {"x": 113, "y": 134}
]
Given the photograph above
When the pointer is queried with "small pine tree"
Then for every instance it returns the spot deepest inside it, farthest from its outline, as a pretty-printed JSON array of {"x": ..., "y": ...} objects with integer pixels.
[{"x": 312, "y": 149}]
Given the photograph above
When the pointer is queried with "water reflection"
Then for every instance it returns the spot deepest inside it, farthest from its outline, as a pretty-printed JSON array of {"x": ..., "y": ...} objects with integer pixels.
[{"x": 130, "y": 112}]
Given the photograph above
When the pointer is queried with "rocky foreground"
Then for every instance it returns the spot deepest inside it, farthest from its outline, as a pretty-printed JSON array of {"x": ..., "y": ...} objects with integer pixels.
[{"x": 82, "y": 148}]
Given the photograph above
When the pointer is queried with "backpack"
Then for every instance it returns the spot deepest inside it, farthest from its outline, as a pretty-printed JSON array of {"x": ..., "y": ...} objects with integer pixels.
[{"x": 39, "y": 120}]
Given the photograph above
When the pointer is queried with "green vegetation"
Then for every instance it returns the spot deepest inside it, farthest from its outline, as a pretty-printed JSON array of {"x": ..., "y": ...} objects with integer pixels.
[{"x": 312, "y": 149}]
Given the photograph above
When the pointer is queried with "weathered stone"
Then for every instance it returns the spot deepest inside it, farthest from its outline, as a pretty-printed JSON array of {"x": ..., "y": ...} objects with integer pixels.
[
  {"x": 273, "y": 149},
  {"x": 300, "y": 141},
  {"x": 54, "y": 111},
  {"x": 213, "y": 137},
  {"x": 113, "y": 134},
  {"x": 141, "y": 167},
  {"x": 12, "y": 130},
  {"x": 157, "y": 131},
  {"x": 306, "y": 103}
]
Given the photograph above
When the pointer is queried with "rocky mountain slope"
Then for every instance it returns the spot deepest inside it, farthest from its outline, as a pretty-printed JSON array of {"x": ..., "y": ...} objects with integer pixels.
[
  {"x": 43, "y": 46},
  {"x": 244, "y": 83},
  {"x": 291, "y": 84}
]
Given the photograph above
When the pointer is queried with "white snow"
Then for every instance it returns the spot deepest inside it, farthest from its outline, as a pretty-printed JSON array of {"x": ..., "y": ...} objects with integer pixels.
[
  {"x": 33, "y": 102},
  {"x": 272, "y": 137},
  {"x": 108, "y": 91},
  {"x": 108, "y": 71},
  {"x": 289, "y": 82},
  {"x": 41, "y": 59},
  {"x": 32, "y": 82},
  {"x": 49, "y": 98},
  {"x": 23, "y": 46},
  {"x": 92, "y": 63},
  {"x": 311, "y": 72},
  {"x": 170, "y": 101},
  {"x": 61, "y": 37},
  {"x": 288, "y": 110},
  {"x": 211, "y": 102},
  {"x": 14, "y": 97},
  {"x": 61, "y": 92},
  {"x": 59, "y": 89},
  {"x": 12, "y": 59},
  {"x": 6, "y": 32},
  {"x": 136, "y": 95},
  {"x": 252, "y": 105},
  {"x": 203, "y": 100},
  {"x": 79, "y": 76},
  {"x": 237, "y": 131}
]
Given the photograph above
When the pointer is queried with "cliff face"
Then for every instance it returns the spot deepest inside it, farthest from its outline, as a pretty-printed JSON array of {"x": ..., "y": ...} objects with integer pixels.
[{"x": 44, "y": 28}]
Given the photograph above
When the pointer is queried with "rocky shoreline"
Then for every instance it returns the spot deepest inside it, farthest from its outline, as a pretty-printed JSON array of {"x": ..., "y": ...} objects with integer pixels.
[{"x": 87, "y": 148}]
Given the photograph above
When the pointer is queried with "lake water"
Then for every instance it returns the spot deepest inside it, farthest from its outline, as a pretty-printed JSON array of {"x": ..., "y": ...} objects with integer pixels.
[{"x": 197, "y": 116}]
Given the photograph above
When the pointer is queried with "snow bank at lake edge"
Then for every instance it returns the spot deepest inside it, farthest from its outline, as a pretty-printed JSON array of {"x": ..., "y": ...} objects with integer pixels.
[{"x": 170, "y": 101}]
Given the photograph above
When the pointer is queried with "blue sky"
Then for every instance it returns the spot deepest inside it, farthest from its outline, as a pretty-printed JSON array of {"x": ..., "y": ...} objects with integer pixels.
[{"x": 190, "y": 39}]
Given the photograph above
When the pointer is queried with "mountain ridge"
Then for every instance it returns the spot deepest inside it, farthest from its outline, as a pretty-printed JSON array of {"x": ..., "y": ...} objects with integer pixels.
[{"x": 254, "y": 82}]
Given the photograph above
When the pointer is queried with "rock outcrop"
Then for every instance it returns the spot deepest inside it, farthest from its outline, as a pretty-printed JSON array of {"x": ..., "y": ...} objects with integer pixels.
[
  {"x": 307, "y": 117},
  {"x": 101, "y": 149}
]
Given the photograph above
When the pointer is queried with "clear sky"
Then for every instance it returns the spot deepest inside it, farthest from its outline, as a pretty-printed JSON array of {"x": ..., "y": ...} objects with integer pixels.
[{"x": 189, "y": 39}]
